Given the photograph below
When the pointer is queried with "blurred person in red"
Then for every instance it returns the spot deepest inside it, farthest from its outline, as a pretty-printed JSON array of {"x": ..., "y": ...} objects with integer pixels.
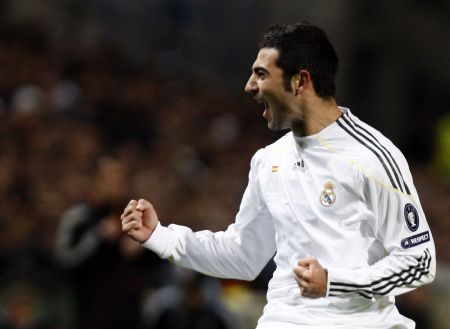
[{"x": 333, "y": 200}]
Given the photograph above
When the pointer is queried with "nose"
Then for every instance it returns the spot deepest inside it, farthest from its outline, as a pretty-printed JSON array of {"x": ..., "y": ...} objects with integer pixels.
[{"x": 251, "y": 86}]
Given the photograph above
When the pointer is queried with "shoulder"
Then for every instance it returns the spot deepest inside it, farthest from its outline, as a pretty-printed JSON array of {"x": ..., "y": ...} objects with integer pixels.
[
  {"x": 379, "y": 158},
  {"x": 77, "y": 215},
  {"x": 77, "y": 211}
]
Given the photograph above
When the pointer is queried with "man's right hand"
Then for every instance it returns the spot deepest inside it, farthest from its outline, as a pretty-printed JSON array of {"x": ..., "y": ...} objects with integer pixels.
[{"x": 139, "y": 220}]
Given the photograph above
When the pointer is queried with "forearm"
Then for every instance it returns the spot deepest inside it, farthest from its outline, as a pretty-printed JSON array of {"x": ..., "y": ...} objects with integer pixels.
[
  {"x": 240, "y": 252},
  {"x": 221, "y": 254},
  {"x": 391, "y": 276}
]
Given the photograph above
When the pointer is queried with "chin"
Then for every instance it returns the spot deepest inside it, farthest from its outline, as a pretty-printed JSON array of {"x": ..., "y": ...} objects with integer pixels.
[
  {"x": 274, "y": 128},
  {"x": 276, "y": 125},
  {"x": 271, "y": 127}
]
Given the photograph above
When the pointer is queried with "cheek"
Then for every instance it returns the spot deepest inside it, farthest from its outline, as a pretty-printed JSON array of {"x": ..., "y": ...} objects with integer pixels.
[{"x": 280, "y": 106}]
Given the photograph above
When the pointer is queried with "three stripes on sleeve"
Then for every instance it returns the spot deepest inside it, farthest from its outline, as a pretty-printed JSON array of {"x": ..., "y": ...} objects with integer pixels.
[{"x": 384, "y": 285}]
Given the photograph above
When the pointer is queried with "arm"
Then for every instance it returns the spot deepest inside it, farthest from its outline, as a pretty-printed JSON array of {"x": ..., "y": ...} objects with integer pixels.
[
  {"x": 240, "y": 252},
  {"x": 401, "y": 228}
]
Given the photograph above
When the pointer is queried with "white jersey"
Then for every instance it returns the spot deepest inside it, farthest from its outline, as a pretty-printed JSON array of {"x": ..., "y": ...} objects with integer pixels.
[{"x": 344, "y": 196}]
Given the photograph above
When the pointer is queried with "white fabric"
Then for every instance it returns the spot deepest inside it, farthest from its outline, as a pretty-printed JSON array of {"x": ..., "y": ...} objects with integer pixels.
[{"x": 354, "y": 226}]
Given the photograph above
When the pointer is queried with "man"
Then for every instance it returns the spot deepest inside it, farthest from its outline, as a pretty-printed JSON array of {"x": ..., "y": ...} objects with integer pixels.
[{"x": 330, "y": 199}]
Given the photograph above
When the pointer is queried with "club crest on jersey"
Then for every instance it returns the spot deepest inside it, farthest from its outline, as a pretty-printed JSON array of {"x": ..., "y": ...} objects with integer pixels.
[
  {"x": 411, "y": 217},
  {"x": 327, "y": 196}
]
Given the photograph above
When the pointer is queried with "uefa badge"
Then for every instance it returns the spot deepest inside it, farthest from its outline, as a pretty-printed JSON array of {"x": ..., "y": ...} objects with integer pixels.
[
  {"x": 411, "y": 217},
  {"x": 328, "y": 197}
]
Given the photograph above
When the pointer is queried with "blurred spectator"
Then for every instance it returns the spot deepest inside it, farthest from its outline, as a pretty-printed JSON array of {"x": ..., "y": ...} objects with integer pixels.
[
  {"x": 25, "y": 304},
  {"x": 102, "y": 262},
  {"x": 441, "y": 159},
  {"x": 192, "y": 301}
]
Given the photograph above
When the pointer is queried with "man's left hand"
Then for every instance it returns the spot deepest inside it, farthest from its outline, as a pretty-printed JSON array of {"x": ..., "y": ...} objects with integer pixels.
[{"x": 311, "y": 278}]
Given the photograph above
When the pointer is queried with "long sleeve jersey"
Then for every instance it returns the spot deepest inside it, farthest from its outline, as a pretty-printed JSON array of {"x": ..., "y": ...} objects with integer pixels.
[{"x": 344, "y": 196}]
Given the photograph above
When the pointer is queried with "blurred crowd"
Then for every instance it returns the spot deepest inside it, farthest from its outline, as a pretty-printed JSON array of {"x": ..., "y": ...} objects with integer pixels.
[
  {"x": 84, "y": 130},
  {"x": 80, "y": 136}
]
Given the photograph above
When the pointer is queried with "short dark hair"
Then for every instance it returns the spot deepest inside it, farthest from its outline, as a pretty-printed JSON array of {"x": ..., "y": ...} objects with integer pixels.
[{"x": 303, "y": 46}]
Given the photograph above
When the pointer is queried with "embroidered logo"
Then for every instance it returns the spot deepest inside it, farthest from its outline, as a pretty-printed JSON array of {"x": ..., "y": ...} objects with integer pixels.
[
  {"x": 328, "y": 197},
  {"x": 415, "y": 240},
  {"x": 274, "y": 168},
  {"x": 411, "y": 217},
  {"x": 299, "y": 165}
]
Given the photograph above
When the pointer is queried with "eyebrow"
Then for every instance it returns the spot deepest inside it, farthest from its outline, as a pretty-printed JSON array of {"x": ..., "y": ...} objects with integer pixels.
[{"x": 260, "y": 68}]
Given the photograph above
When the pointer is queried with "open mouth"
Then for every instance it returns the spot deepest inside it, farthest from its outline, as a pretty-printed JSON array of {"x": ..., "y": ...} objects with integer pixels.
[
  {"x": 262, "y": 101},
  {"x": 266, "y": 109},
  {"x": 266, "y": 106}
]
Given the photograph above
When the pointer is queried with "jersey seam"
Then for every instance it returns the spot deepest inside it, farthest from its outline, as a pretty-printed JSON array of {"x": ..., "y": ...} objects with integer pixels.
[{"x": 360, "y": 169}]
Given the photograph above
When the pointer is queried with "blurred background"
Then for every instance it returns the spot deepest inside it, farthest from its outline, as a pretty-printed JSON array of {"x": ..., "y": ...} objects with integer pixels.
[{"x": 106, "y": 100}]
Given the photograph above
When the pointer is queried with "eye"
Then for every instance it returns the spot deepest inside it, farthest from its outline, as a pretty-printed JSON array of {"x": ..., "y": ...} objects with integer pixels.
[{"x": 261, "y": 74}]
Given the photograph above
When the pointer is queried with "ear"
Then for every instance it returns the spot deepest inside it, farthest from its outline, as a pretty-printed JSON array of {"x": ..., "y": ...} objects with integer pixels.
[{"x": 302, "y": 81}]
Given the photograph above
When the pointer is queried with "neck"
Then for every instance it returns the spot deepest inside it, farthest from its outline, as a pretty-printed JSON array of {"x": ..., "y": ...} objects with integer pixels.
[{"x": 316, "y": 114}]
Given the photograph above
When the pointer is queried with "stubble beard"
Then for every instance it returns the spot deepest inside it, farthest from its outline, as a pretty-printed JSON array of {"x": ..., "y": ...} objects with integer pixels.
[{"x": 278, "y": 118}]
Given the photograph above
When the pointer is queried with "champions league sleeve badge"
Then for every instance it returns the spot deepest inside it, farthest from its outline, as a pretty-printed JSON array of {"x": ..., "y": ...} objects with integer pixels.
[
  {"x": 327, "y": 196},
  {"x": 411, "y": 217}
]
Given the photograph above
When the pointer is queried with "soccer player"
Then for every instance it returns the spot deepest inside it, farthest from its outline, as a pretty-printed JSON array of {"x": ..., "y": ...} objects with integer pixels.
[{"x": 333, "y": 200}]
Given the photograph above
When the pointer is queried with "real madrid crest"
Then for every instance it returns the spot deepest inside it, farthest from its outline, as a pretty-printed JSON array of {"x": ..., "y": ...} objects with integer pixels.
[{"x": 328, "y": 197}]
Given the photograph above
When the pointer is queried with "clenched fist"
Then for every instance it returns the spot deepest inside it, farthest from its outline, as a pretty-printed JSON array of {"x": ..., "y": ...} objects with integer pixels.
[
  {"x": 139, "y": 220},
  {"x": 311, "y": 278}
]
